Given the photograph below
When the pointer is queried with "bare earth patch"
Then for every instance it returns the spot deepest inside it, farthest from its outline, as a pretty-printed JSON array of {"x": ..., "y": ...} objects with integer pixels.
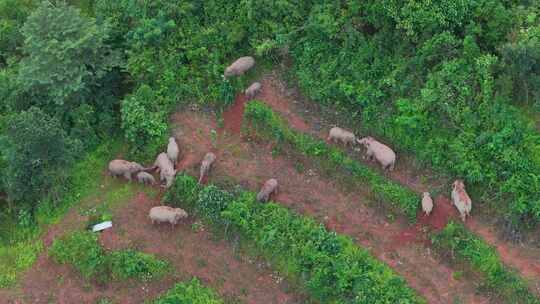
[
  {"x": 524, "y": 258},
  {"x": 250, "y": 164}
]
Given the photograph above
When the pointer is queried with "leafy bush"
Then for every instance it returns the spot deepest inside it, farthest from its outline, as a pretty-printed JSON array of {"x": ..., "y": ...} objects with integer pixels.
[
  {"x": 144, "y": 122},
  {"x": 425, "y": 76},
  {"x": 13, "y": 14},
  {"x": 457, "y": 242},
  {"x": 192, "y": 292},
  {"x": 212, "y": 201},
  {"x": 38, "y": 153},
  {"x": 185, "y": 191},
  {"x": 332, "y": 266},
  {"x": 260, "y": 118},
  {"x": 83, "y": 251},
  {"x": 128, "y": 264}
]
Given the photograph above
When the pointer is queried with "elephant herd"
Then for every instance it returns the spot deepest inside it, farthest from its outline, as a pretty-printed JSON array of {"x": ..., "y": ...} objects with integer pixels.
[
  {"x": 386, "y": 157},
  {"x": 166, "y": 161}
]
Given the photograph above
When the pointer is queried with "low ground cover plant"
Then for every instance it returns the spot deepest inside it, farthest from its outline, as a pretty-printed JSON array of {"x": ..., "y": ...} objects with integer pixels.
[{"x": 82, "y": 250}]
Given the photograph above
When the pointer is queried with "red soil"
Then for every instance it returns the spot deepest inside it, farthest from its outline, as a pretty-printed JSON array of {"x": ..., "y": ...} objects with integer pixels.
[
  {"x": 523, "y": 258},
  {"x": 250, "y": 164},
  {"x": 195, "y": 253},
  {"x": 280, "y": 104},
  {"x": 232, "y": 117},
  {"x": 191, "y": 253}
]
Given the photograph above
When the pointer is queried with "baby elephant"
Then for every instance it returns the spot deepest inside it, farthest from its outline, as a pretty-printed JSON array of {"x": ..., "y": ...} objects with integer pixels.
[
  {"x": 206, "y": 164},
  {"x": 427, "y": 203},
  {"x": 145, "y": 178},
  {"x": 269, "y": 187},
  {"x": 381, "y": 152},
  {"x": 173, "y": 150},
  {"x": 120, "y": 167},
  {"x": 461, "y": 199},
  {"x": 253, "y": 90},
  {"x": 341, "y": 135},
  {"x": 239, "y": 67},
  {"x": 163, "y": 214}
]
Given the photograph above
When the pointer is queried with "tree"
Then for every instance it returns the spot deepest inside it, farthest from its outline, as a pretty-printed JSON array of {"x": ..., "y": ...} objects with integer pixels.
[
  {"x": 38, "y": 154},
  {"x": 68, "y": 63},
  {"x": 13, "y": 13},
  {"x": 522, "y": 60},
  {"x": 144, "y": 122}
]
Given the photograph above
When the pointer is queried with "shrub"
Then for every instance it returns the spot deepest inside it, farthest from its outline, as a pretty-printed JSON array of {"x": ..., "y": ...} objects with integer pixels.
[
  {"x": 260, "y": 118},
  {"x": 82, "y": 251},
  {"x": 333, "y": 268},
  {"x": 38, "y": 156},
  {"x": 212, "y": 201},
  {"x": 192, "y": 292},
  {"x": 130, "y": 264},
  {"x": 457, "y": 242},
  {"x": 144, "y": 122},
  {"x": 185, "y": 191}
]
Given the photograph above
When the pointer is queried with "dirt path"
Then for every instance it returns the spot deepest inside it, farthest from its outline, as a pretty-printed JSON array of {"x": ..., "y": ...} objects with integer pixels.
[
  {"x": 304, "y": 116},
  {"x": 395, "y": 243}
]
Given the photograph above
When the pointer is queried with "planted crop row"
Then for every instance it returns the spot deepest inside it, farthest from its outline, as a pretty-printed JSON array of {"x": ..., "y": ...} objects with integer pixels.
[
  {"x": 332, "y": 268},
  {"x": 455, "y": 238},
  {"x": 192, "y": 292},
  {"x": 82, "y": 250},
  {"x": 263, "y": 121},
  {"x": 462, "y": 245}
]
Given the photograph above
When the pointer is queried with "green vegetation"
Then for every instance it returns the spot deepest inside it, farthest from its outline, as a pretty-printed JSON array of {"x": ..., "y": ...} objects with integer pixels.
[
  {"x": 454, "y": 239},
  {"x": 19, "y": 235},
  {"x": 260, "y": 119},
  {"x": 192, "y": 292},
  {"x": 428, "y": 76},
  {"x": 17, "y": 257},
  {"x": 127, "y": 264},
  {"x": 331, "y": 267},
  {"x": 443, "y": 80},
  {"x": 32, "y": 133},
  {"x": 59, "y": 99},
  {"x": 144, "y": 122},
  {"x": 456, "y": 242},
  {"x": 83, "y": 252}
]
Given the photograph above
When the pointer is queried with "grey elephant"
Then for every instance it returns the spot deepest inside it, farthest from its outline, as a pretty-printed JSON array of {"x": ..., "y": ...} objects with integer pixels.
[
  {"x": 239, "y": 67},
  {"x": 269, "y": 187},
  {"x": 120, "y": 167},
  {"x": 146, "y": 178},
  {"x": 253, "y": 90},
  {"x": 206, "y": 164},
  {"x": 172, "y": 150},
  {"x": 165, "y": 168}
]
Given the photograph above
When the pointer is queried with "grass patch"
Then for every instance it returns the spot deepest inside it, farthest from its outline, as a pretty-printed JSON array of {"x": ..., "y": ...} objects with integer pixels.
[
  {"x": 331, "y": 267},
  {"x": 17, "y": 258},
  {"x": 192, "y": 292},
  {"x": 81, "y": 249},
  {"x": 20, "y": 244},
  {"x": 459, "y": 244}
]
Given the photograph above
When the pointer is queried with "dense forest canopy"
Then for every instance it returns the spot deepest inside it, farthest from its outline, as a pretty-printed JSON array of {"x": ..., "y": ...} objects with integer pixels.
[{"x": 447, "y": 81}]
